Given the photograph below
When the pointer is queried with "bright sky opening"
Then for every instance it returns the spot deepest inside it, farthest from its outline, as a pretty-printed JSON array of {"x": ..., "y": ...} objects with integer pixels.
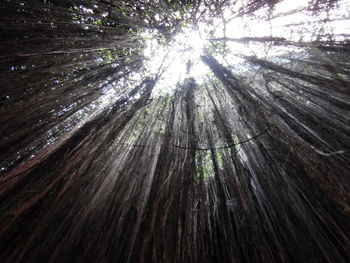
[{"x": 182, "y": 56}]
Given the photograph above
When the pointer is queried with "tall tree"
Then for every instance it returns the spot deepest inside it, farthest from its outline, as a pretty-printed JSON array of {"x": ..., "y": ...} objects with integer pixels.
[{"x": 249, "y": 163}]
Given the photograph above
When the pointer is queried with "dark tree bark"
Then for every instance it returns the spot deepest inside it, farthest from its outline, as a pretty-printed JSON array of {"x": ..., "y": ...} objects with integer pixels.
[{"x": 248, "y": 165}]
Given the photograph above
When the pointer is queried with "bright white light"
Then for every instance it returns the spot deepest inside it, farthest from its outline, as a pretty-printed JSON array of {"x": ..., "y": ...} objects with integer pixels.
[
  {"x": 289, "y": 19},
  {"x": 181, "y": 58}
]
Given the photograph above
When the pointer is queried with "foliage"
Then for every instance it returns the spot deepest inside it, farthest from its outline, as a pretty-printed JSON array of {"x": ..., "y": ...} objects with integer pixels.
[{"x": 248, "y": 164}]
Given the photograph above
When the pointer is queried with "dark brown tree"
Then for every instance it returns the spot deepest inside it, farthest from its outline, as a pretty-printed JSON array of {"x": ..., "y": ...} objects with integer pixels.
[{"x": 250, "y": 165}]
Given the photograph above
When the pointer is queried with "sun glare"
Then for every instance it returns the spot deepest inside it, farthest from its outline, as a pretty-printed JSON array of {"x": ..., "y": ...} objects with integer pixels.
[
  {"x": 181, "y": 57},
  {"x": 178, "y": 59}
]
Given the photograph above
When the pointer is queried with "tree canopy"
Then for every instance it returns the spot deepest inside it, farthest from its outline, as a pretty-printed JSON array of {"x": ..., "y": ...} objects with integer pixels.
[{"x": 175, "y": 131}]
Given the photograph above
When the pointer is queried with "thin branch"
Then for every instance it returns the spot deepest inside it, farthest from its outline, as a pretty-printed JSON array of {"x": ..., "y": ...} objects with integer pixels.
[
  {"x": 251, "y": 39},
  {"x": 331, "y": 153},
  {"x": 223, "y": 147}
]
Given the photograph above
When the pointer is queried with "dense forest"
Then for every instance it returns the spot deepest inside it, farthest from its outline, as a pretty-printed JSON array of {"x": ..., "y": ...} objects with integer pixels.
[{"x": 175, "y": 131}]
